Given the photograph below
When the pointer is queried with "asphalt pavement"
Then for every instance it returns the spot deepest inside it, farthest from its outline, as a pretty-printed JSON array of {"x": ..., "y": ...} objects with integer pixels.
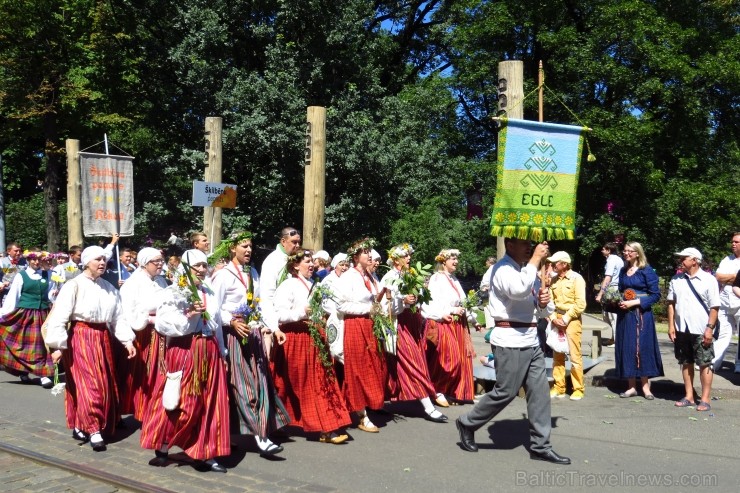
[{"x": 615, "y": 444}]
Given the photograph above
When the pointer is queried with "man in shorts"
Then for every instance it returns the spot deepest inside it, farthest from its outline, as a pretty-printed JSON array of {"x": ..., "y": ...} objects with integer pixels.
[{"x": 692, "y": 314}]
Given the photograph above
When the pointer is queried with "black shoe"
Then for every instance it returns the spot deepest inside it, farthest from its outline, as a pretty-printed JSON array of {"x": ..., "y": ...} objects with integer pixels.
[
  {"x": 209, "y": 465},
  {"x": 549, "y": 456},
  {"x": 273, "y": 449},
  {"x": 98, "y": 446},
  {"x": 160, "y": 459},
  {"x": 439, "y": 419},
  {"x": 80, "y": 435},
  {"x": 467, "y": 440}
]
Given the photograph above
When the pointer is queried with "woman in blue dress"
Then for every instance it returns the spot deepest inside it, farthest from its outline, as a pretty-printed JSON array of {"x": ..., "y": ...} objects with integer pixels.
[{"x": 637, "y": 352}]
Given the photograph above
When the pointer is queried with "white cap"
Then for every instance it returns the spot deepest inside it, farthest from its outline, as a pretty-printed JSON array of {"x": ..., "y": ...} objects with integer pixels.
[
  {"x": 339, "y": 257},
  {"x": 146, "y": 255},
  {"x": 194, "y": 256},
  {"x": 322, "y": 254},
  {"x": 374, "y": 255},
  {"x": 560, "y": 257},
  {"x": 91, "y": 253},
  {"x": 689, "y": 252}
]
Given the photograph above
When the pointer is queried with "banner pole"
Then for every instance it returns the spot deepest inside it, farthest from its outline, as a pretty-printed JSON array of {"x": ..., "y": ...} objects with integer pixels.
[
  {"x": 118, "y": 264},
  {"x": 213, "y": 228}
]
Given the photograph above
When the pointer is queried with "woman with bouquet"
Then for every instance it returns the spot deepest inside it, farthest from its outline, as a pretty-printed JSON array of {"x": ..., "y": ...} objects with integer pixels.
[
  {"x": 141, "y": 295},
  {"x": 637, "y": 353},
  {"x": 449, "y": 348},
  {"x": 304, "y": 375},
  {"x": 364, "y": 364},
  {"x": 408, "y": 373},
  {"x": 255, "y": 406},
  {"x": 92, "y": 307},
  {"x": 189, "y": 318},
  {"x": 25, "y": 307}
]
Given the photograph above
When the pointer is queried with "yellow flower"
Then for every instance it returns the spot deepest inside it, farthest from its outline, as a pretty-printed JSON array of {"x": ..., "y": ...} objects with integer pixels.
[
  {"x": 558, "y": 219},
  {"x": 256, "y": 300},
  {"x": 412, "y": 271},
  {"x": 57, "y": 278},
  {"x": 182, "y": 282},
  {"x": 512, "y": 217},
  {"x": 569, "y": 221},
  {"x": 538, "y": 218},
  {"x": 499, "y": 217},
  {"x": 525, "y": 217},
  {"x": 249, "y": 296}
]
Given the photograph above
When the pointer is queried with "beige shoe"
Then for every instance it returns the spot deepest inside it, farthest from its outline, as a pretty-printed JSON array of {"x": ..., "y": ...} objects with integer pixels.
[
  {"x": 333, "y": 438},
  {"x": 441, "y": 401}
]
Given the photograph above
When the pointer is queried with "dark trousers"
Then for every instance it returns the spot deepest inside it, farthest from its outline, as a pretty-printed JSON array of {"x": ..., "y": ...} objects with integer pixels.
[{"x": 516, "y": 368}]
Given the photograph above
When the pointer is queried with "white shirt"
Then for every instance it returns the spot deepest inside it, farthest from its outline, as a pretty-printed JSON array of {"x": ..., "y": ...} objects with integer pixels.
[
  {"x": 729, "y": 265},
  {"x": 613, "y": 265},
  {"x": 447, "y": 295},
  {"x": 235, "y": 284},
  {"x": 14, "y": 291},
  {"x": 88, "y": 301},
  {"x": 330, "y": 282},
  {"x": 396, "y": 301},
  {"x": 514, "y": 297},
  {"x": 171, "y": 320},
  {"x": 353, "y": 296},
  {"x": 690, "y": 315},
  {"x": 291, "y": 299},
  {"x": 485, "y": 285},
  {"x": 140, "y": 297},
  {"x": 272, "y": 269}
]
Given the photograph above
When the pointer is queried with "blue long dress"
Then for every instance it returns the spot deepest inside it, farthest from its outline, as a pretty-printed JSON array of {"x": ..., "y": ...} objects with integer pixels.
[{"x": 638, "y": 357}]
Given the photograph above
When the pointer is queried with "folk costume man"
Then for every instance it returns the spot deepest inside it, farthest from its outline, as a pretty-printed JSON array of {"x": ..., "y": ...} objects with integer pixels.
[
  {"x": 274, "y": 272},
  {"x": 517, "y": 300}
]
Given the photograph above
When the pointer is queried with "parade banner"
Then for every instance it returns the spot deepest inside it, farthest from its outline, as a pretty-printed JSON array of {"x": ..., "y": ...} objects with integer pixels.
[
  {"x": 107, "y": 194},
  {"x": 211, "y": 194},
  {"x": 536, "y": 180}
]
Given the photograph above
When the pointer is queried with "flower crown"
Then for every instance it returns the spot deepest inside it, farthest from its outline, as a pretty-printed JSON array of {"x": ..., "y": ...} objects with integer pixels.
[
  {"x": 358, "y": 246},
  {"x": 36, "y": 255},
  {"x": 400, "y": 251},
  {"x": 223, "y": 248},
  {"x": 446, "y": 254},
  {"x": 298, "y": 256}
]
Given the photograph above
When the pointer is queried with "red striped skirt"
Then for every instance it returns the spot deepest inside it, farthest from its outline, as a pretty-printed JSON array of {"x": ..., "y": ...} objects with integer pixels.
[
  {"x": 450, "y": 361},
  {"x": 313, "y": 399},
  {"x": 408, "y": 373},
  {"x": 200, "y": 425},
  {"x": 91, "y": 399},
  {"x": 365, "y": 371},
  {"x": 22, "y": 348},
  {"x": 138, "y": 375}
]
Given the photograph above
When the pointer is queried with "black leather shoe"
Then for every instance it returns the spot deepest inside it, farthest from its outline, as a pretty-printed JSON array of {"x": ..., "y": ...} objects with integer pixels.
[
  {"x": 80, "y": 435},
  {"x": 98, "y": 446},
  {"x": 160, "y": 459},
  {"x": 550, "y": 456},
  {"x": 273, "y": 449},
  {"x": 439, "y": 419},
  {"x": 467, "y": 440},
  {"x": 216, "y": 467},
  {"x": 209, "y": 465}
]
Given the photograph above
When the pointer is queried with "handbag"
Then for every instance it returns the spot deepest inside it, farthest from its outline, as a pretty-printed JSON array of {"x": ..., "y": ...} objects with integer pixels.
[
  {"x": 556, "y": 339},
  {"x": 335, "y": 336},
  {"x": 715, "y": 331},
  {"x": 171, "y": 393}
]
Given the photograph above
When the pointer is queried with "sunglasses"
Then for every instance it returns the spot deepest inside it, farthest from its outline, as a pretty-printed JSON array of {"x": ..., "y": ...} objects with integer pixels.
[{"x": 291, "y": 233}]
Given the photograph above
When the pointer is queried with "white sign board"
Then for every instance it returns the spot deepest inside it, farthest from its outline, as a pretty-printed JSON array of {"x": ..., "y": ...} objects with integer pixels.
[{"x": 209, "y": 194}]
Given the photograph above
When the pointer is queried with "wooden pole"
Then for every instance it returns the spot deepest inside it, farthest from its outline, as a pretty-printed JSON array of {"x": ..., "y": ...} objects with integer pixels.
[
  {"x": 510, "y": 97},
  {"x": 315, "y": 178},
  {"x": 213, "y": 173},
  {"x": 74, "y": 195},
  {"x": 541, "y": 85}
]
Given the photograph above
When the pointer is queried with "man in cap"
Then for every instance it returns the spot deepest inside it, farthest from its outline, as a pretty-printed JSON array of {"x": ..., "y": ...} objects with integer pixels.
[
  {"x": 321, "y": 262},
  {"x": 693, "y": 303},
  {"x": 568, "y": 291}
]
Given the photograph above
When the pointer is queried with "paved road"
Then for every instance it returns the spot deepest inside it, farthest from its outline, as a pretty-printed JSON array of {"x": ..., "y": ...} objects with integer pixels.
[{"x": 627, "y": 444}]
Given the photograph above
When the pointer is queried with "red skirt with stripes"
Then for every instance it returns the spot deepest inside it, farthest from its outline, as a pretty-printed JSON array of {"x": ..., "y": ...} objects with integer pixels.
[
  {"x": 451, "y": 362},
  {"x": 22, "y": 348},
  {"x": 138, "y": 375},
  {"x": 408, "y": 373},
  {"x": 91, "y": 399},
  {"x": 200, "y": 425},
  {"x": 365, "y": 370},
  {"x": 312, "y": 398}
]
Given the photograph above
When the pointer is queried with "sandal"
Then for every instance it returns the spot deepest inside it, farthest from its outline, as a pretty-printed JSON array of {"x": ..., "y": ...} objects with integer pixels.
[
  {"x": 625, "y": 395},
  {"x": 703, "y": 406},
  {"x": 684, "y": 403}
]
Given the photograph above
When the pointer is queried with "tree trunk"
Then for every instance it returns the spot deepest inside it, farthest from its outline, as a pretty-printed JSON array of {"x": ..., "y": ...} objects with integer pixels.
[{"x": 52, "y": 179}]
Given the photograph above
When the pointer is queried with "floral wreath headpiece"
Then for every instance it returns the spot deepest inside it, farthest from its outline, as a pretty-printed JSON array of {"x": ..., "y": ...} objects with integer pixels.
[
  {"x": 35, "y": 255},
  {"x": 358, "y": 246},
  {"x": 298, "y": 256},
  {"x": 223, "y": 248},
  {"x": 400, "y": 251},
  {"x": 446, "y": 254}
]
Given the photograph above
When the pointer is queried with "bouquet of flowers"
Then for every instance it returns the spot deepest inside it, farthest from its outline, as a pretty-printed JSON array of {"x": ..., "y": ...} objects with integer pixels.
[
  {"x": 612, "y": 297},
  {"x": 413, "y": 281},
  {"x": 317, "y": 324},
  {"x": 383, "y": 326},
  {"x": 249, "y": 312},
  {"x": 190, "y": 289},
  {"x": 471, "y": 302},
  {"x": 9, "y": 272}
]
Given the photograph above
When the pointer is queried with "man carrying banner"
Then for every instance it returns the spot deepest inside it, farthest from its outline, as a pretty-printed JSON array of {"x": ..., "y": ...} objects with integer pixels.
[{"x": 517, "y": 300}]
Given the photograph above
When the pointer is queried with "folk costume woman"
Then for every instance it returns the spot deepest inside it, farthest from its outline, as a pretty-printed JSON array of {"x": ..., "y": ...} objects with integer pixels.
[
  {"x": 365, "y": 371},
  {"x": 141, "y": 295},
  {"x": 199, "y": 423},
  {"x": 92, "y": 307},
  {"x": 256, "y": 408},
  {"x": 25, "y": 307},
  {"x": 637, "y": 354},
  {"x": 306, "y": 385},
  {"x": 408, "y": 371},
  {"x": 449, "y": 348}
]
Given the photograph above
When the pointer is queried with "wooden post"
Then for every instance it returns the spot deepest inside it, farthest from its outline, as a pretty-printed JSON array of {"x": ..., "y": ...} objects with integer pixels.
[
  {"x": 74, "y": 192},
  {"x": 315, "y": 185},
  {"x": 213, "y": 173},
  {"x": 510, "y": 96}
]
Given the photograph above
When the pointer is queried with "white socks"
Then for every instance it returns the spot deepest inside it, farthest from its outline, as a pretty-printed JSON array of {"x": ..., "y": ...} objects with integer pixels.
[
  {"x": 428, "y": 406},
  {"x": 96, "y": 438},
  {"x": 263, "y": 443}
]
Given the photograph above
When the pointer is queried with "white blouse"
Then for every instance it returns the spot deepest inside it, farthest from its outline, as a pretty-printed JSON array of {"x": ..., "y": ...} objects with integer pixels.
[
  {"x": 291, "y": 299},
  {"x": 353, "y": 296},
  {"x": 86, "y": 300},
  {"x": 14, "y": 291},
  {"x": 171, "y": 320},
  {"x": 330, "y": 282},
  {"x": 234, "y": 284},
  {"x": 140, "y": 297},
  {"x": 396, "y": 301},
  {"x": 447, "y": 294}
]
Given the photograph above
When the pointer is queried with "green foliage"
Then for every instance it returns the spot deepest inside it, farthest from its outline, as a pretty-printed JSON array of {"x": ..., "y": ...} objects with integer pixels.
[{"x": 24, "y": 220}]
